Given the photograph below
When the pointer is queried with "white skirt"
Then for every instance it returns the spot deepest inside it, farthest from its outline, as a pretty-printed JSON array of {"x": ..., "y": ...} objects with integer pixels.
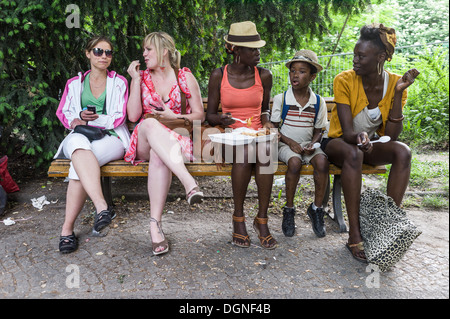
[{"x": 107, "y": 149}]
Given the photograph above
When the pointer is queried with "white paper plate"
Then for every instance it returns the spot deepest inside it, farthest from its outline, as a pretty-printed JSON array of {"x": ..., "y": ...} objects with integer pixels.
[{"x": 236, "y": 138}]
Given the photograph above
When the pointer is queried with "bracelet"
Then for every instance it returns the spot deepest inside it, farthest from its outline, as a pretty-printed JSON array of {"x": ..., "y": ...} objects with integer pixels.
[
  {"x": 80, "y": 115},
  {"x": 265, "y": 113},
  {"x": 390, "y": 119}
]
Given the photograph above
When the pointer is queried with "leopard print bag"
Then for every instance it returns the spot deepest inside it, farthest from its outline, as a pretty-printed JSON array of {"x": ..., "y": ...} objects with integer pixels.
[{"x": 385, "y": 229}]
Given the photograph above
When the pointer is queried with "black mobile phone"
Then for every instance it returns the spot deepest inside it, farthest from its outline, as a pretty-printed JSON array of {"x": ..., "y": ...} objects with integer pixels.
[
  {"x": 92, "y": 108},
  {"x": 157, "y": 107}
]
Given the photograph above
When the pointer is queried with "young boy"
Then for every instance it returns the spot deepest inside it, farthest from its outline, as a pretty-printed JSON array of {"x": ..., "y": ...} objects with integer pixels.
[{"x": 301, "y": 125}]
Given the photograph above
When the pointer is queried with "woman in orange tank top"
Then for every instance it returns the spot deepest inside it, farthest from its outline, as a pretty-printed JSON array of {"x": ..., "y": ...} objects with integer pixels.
[
  {"x": 243, "y": 90},
  {"x": 242, "y": 103}
]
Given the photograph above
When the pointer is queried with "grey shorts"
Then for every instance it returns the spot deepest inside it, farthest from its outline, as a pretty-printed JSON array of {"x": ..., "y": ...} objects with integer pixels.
[{"x": 285, "y": 153}]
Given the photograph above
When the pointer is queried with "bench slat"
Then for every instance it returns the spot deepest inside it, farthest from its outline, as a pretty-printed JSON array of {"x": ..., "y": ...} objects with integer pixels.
[{"x": 60, "y": 168}]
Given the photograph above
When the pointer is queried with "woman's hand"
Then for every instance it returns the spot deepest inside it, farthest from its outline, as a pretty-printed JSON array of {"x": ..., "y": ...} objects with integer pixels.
[
  {"x": 363, "y": 139},
  {"x": 226, "y": 119},
  {"x": 167, "y": 113},
  {"x": 88, "y": 116},
  {"x": 406, "y": 80},
  {"x": 133, "y": 70},
  {"x": 77, "y": 122}
]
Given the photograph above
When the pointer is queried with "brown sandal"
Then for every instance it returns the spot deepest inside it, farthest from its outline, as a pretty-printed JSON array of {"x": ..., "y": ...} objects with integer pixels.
[
  {"x": 164, "y": 243},
  {"x": 264, "y": 240},
  {"x": 244, "y": 238}
]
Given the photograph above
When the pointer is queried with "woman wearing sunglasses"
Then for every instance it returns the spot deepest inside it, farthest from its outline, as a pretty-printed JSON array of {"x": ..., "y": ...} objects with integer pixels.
[{"x": 105, "y": 94}]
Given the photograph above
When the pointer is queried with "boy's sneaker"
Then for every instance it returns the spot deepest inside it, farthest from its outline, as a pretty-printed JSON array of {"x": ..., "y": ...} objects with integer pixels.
[
  {"x": 316, "y": 217},
  {"x": 288, "y": 224}
]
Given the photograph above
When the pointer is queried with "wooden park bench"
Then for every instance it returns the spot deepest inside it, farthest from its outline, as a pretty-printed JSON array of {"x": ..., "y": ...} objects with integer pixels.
[{"x": 120, "y": 168}]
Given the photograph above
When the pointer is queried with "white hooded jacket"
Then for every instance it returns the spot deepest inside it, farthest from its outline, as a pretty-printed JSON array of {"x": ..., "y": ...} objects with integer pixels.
[{"x": 116, "y": 104}]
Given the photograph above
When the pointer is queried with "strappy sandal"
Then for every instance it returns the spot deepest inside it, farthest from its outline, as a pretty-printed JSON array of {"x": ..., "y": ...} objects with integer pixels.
[
  {"x": 244, "y": 238},
  {"x": 68, "y": 244},
  {"x": 263, "y": 240},
  {"x": 103, "y": 219},
  {"x": 164, "y": 243},
  {"x": 195, "y": 196},
  {"x": 360, "y": 247}
]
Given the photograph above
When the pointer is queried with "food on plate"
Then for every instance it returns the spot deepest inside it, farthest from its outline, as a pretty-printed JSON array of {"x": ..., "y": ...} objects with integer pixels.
[{"x": 261, "y": 132}]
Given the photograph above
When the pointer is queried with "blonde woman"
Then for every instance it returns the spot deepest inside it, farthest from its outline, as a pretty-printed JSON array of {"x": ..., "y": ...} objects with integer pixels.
[{"x": 157, "y": 90}]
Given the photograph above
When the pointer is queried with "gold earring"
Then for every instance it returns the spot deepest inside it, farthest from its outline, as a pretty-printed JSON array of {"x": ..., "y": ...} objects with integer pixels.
[{"x": 379, "y": 68}]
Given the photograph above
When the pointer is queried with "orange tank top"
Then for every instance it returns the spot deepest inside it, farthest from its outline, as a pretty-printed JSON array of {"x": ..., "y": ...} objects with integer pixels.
[{"x": 242, "y": 103}]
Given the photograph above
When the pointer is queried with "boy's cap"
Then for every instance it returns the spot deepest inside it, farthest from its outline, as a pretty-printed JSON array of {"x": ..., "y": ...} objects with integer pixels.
[
  {"x": 307, "y": 56},
  {"x": 244, "y": 34}
]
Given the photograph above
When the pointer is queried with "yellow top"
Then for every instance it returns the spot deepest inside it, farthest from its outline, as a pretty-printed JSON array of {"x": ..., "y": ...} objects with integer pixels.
[{"x": 349, "y": 90}]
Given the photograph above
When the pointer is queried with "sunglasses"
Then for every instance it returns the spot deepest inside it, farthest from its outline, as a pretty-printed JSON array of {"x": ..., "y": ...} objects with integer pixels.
[{"x": 99, "y": 52}]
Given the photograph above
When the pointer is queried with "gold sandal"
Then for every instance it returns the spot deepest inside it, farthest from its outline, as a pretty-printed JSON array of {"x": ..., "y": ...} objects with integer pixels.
[
  {"x": 244, "y": 238},
  {"x": 263, "y": 240},
  {"x": 360, "y": 247}
]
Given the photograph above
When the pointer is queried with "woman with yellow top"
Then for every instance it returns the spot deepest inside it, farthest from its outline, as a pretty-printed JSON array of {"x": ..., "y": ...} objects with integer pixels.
[{"x": 369, "y": 104}]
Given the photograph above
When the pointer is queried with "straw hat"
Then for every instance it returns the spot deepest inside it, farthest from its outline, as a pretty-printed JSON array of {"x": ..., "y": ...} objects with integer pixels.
[
  {"x": 244, "y": 34},
  {"x": 307, "y": 56}
]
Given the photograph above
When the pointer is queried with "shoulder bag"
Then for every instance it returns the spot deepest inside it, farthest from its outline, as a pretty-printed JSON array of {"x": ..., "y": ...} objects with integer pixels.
[{"x": 91, "y": 132}]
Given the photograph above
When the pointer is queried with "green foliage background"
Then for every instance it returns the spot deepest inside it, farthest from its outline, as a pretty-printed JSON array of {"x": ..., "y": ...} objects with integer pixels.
[
  {"x": 415, "y": 22},
  {"x": 38, "y": 52}
]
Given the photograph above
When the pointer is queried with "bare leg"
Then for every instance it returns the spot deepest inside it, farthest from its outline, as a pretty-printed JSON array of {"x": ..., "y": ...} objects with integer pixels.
[
  {"x": 152, "y": 135},
  {"x": 321, "y": 166},
  {"x": 350, "y": 159},
  {"x": 291, "y": 179},
  {"x": 264, "y": 182},
  {"x": 88, "y": 170},
  {"x": 399, "y": 155},
  {"x": 159, "y": 180},
  {"x": 241, "y": 174},
  {"x": 75, "y": 199}
]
